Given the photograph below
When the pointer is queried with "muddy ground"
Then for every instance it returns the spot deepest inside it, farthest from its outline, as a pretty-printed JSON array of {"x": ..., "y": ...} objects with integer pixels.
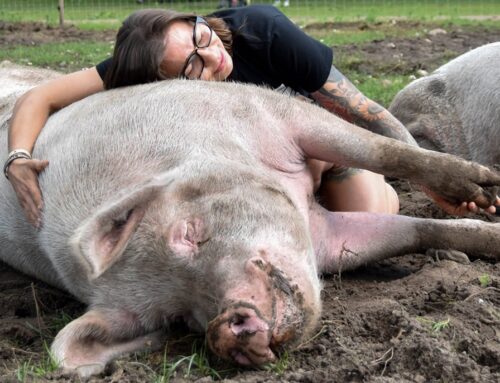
[{"x": 409, "y": 319}]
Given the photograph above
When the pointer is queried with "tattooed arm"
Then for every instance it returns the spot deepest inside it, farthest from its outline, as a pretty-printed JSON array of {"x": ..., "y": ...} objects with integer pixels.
[{"x": 340, "y": 96}]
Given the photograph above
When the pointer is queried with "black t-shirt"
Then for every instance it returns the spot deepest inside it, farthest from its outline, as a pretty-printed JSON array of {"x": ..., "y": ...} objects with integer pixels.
[{"x": 268, "y": 49}]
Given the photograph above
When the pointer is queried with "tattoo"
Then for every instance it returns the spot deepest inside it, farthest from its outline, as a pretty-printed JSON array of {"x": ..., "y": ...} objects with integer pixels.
[
  {"x": 339, "y": 174},
  {"x": 341, "y": 97}
]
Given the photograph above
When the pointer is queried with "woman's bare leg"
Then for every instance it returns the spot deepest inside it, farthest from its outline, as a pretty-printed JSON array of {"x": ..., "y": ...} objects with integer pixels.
[{"x": 348, "y": 189}]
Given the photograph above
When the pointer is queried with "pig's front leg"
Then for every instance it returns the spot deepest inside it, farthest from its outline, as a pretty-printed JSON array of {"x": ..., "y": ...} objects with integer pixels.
[
  {"x": 345, "y": 241},
  {"x": 325, "y": 137},
  {"x": 87, "y": 344}
]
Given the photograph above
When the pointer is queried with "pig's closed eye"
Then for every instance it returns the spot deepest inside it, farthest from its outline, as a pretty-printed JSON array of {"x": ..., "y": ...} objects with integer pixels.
[
  {"x": 203, "y": 242},
  {"x": 186, "y": 236}
]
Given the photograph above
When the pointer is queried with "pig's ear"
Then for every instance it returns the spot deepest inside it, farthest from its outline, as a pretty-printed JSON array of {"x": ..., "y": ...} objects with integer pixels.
[
  {"x": 102, "y": 239},
  {"x": 185, "y": 236}
]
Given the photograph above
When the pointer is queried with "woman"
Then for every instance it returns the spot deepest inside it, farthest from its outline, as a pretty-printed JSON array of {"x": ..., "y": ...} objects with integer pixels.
[{"x": 255, "y": 44}]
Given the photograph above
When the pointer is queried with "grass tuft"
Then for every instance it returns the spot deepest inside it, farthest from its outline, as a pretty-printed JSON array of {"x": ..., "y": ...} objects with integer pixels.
[
  {"x": 435, "y": 326},
  {"x": 281, "y": 365},
  {"x": 34, "y": 370},
  {"x": 484, "y": 280},
  {"x": 196, "y": 364}
]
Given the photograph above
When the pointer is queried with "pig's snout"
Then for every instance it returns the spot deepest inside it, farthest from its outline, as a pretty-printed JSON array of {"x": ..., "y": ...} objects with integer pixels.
[
  {"x": 242, "y": 335},
  {"x": 261, "y": 316}
]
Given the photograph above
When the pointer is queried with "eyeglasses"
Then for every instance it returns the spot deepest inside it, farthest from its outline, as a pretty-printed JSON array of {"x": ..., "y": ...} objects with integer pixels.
[{"x": 202, "y": 36}]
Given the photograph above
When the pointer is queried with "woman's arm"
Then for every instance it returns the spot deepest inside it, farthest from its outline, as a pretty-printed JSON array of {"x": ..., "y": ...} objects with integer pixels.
[
  {"x": 34, "y": 108},
  {"x": 29, "y": 117},
  {"x": 340, "y": 96}
]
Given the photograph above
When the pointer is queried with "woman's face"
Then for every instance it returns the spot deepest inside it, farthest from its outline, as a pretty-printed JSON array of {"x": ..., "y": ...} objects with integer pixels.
[{"x": 218, "y": 64}]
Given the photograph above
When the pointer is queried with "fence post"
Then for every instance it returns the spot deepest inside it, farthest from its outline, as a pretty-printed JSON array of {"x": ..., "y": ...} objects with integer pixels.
[{"x": 61, "y": 13}]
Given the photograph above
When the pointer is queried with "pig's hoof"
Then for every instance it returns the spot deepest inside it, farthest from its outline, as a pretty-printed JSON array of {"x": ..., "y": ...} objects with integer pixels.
[
  {"x": 88, "y": 370},
  {"x": 83, "y": 372},
  {"x": 450, "y": 255}
]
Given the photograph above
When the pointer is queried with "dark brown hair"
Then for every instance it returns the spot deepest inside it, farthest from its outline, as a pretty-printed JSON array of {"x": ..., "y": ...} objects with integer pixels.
[{"x": 139, "y": 46}]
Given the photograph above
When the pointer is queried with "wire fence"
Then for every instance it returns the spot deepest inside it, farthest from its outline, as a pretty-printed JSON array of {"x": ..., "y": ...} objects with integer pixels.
[{"x": 87, "y": 12}]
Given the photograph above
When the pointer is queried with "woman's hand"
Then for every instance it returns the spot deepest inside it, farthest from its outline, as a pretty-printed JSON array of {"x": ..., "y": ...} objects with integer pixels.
[
  {"x": 461, "y": 209},
  {"x": 23, "y": 175},
  {"x": 29, "y": 117}
]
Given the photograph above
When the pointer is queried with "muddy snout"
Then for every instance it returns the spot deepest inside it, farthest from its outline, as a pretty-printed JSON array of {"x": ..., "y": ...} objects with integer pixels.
[
  {"x": 240, "y": 334},
  {"x": 250, "y": 331},
  {"x": 243, "y": 336}
]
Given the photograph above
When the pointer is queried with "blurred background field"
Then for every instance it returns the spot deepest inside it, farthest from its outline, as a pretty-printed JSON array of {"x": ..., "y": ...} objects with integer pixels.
[
  {"x": 90, "y": 25},
  {"x": 106, "y": 13}
]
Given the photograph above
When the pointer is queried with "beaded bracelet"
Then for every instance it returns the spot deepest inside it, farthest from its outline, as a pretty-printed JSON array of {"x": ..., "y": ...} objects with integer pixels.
[{"x": 14, "y": 155}]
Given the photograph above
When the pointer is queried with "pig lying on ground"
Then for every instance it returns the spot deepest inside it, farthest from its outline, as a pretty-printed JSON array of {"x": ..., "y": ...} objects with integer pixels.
[
  {"x": 191, "y": 199},
  {"x": 457, "y": 108}
]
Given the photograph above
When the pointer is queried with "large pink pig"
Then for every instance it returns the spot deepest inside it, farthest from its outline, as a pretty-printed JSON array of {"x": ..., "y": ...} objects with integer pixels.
[
  {"x": 456, "y": 109},
  {"x": 193, "y": 200}
]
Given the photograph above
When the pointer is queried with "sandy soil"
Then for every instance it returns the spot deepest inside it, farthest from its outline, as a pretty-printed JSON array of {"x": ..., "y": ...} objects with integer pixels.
[{"x": 409, "y": 319}]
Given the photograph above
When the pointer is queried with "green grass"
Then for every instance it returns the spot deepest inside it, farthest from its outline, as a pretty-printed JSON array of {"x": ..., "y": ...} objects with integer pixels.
[
  {"x": 435, "y": 326},
  {"x": 42, "y": 363},
  {"x": 105, "y": 14},
  {"x": 198, "y": 364},
  {"x": 381, "y": 89},
  {"x": 440, "y": 325},
  {"x": 65, "y": 57},
  {"x": 30, "y": 371},
  {"x": 280, "y": 365},
  {"x": 374, "y": 10},
  {"x": 484, "y": 280},
  {"x": 195, "y": 364}
]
